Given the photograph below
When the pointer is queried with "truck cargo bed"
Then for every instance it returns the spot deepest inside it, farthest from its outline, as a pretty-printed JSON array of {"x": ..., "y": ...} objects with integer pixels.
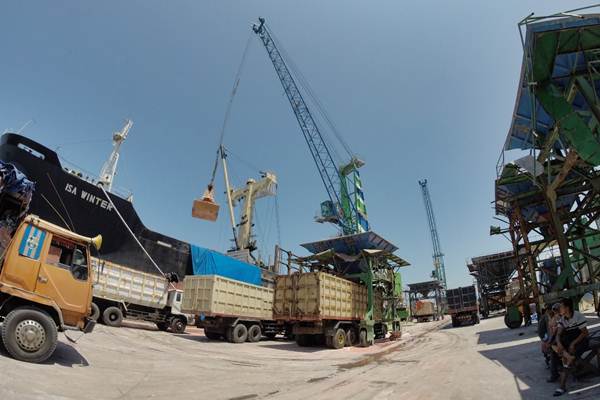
[
  {"x": 315, "y": 296},
  {"x": 122, "y": 284},
  {"x": 214, "y": 295}
]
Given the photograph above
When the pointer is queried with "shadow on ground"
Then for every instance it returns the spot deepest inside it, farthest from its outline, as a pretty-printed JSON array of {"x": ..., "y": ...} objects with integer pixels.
[
  {"x": 526, "y": 363},
  {"x": 506, "y": 335},
  {"x": 65, "y": 355}
]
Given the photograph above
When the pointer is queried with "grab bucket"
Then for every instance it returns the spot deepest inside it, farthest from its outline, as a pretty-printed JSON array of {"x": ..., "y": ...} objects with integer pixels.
[{"x": 206, "y": 208}]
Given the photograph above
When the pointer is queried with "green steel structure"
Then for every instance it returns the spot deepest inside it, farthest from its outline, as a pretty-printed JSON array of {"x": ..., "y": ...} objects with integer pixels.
[
  {"x": 550, "y": 197},
  {"x": 365, "y": 258}
]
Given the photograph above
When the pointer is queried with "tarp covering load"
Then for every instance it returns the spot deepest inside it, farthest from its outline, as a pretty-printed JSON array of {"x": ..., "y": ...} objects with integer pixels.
[
  {"x": 210, "y": 262},
  {"x": 15, "y": 195},
  {"x": 15, "y": 183}
]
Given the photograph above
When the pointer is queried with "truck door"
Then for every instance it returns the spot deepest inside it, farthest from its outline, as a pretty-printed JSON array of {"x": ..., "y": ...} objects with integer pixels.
[
  {"x": 64, "y": 276},
  {"x": 22, "y": 261}
]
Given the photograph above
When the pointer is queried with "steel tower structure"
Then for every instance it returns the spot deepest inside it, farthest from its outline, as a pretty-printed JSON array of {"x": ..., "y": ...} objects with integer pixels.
[
  {"x": 438, "y": 256},
  {"x": 346, "y": 207}
]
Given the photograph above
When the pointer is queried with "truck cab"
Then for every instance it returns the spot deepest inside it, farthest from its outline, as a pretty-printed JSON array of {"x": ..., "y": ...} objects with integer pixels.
[
  {"x": 175, "y": 299},
  {"x": 45, "y": 287}
]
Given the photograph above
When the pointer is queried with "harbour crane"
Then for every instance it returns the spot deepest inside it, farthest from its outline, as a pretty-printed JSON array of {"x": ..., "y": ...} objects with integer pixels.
[
  {"x": 346, "y": 206},
  {"x": 109, "y": 169},
  {"x": 438, "y": 257}
]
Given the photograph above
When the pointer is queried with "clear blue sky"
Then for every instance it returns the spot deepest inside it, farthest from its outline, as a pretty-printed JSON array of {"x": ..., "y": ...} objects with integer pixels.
[{"x": 421, "y": 89}]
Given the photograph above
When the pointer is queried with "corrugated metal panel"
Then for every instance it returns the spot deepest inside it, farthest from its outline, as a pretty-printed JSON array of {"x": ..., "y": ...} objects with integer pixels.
[
  {"x": 115, "y": 282},
  {"x": 317, "y": 295},
  {"x": 214, "y": 295}
]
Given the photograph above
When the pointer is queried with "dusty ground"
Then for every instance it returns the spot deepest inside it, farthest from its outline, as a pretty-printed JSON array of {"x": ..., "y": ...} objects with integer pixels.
[{"x": 432, "y": 361}]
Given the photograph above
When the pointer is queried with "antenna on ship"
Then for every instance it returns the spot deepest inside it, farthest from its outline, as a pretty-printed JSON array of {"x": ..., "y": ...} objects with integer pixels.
[{"x": 109, "y": 169}]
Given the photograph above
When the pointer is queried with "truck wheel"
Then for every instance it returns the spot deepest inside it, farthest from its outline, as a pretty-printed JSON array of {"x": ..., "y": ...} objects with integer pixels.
[
  {"x": 351, "y": 337},
  {"x": 329, "y": 341},
  {"x": 29, "y": 334},
  {"x": 112, "y": 316},
  {"x": 454, "y": 323},
  {"x": 254, "y": 333},
  {"x": 178, "y": 325},
  {"x": 95, "y": 312},
  {"x": 239, "y": 334},
  {"x": 339, "y": 339},
  {"x": 362, "y": 338}
]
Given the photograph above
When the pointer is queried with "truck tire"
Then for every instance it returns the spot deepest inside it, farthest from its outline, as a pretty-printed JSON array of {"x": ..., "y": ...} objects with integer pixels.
[
  {"x": 29, "y": 334},
  {"x": 112, "y": 316},
  {"x": 512, "y": 324},
  {"x": 254, "y": 333},
  {"x": 95, "y": 312},
  {"x": 351, "y": 337},
  {"x": 362, "y": 338},
  {"x": 178, "y": 325},
  {"x": 239, "y": 334},
  {"x": 454, "y": 322},
  {"x": 329, "y": 341},
  {"x": 339, "y": 339}
]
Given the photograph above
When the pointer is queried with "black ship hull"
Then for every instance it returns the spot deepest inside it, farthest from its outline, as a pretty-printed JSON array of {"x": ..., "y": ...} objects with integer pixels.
[{"x": 64, "y": 198}]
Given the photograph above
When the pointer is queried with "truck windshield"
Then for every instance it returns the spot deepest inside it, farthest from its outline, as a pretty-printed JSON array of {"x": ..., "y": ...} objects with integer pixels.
[{"x": 68, "y": 255}]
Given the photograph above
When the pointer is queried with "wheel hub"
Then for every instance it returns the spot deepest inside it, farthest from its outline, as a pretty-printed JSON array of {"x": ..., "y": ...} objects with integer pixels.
[{"x": 30, "y": 335}]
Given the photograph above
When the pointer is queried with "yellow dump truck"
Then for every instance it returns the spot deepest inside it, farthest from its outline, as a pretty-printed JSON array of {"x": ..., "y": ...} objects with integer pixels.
[
  {"x": 45, "y": 287},
  {"x": 230, "y": 309},
  {"x": 325, "y": 307}
]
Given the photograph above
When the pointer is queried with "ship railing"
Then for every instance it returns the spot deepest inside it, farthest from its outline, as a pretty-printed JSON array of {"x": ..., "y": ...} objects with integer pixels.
[{"x": 74, "y": 169}]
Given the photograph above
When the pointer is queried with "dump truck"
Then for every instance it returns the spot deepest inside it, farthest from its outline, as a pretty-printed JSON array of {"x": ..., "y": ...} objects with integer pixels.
[
  {"x": 45, "y": 277},
  {"x": 462, "y": 305},
  {"x": 425, "y": 311},
  {"x": 325, "y": 308},
  {"x": 230, "y": 309},
  {"x": 121, "y": 292}
]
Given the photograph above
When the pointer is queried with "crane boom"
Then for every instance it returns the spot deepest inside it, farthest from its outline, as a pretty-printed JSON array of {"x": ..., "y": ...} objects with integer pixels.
[
  {"x": 345, "y": 212},
  {"x": 438, "y": 256},
  {"x": 109, "y": 169}
]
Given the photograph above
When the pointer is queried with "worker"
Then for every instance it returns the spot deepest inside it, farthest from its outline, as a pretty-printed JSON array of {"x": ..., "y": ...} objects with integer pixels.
[
  {"x": 571, "y": 340},
  {"x": 552, "y": 317},
  {"x": 543, "y": 331}
]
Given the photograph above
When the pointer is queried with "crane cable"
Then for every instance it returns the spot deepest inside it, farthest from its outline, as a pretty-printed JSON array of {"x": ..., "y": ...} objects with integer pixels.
[
  {"x": 236, "y": 83},
  {"x": 135, "y": 237},
  {"x": 312, "y": 96}
]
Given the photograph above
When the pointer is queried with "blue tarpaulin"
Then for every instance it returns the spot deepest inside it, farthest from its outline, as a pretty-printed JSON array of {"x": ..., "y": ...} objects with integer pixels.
[{"x": 210, "y": 262}]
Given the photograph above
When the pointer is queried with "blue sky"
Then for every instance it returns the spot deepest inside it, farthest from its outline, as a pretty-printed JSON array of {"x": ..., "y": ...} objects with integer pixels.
[{"x": 421, "y": 89}]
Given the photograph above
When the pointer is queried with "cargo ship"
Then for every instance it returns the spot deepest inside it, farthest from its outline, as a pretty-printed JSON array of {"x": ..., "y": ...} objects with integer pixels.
[{"x": 69, "y": 198}]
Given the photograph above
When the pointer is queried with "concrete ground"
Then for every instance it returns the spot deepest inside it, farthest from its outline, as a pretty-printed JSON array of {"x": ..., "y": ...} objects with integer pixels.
[{"x": 432, "y": 361}]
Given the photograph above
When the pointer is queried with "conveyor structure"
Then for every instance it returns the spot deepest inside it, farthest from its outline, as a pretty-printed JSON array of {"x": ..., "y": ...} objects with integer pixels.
[{"x": 549, "y": 196}]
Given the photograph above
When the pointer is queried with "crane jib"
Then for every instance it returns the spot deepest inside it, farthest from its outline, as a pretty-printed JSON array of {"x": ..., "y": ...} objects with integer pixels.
[{"x": 348, "y": 209}]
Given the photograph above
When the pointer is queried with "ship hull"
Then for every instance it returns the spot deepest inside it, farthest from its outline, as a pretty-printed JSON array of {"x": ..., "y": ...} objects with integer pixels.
[{"x": 64, "y": 198}]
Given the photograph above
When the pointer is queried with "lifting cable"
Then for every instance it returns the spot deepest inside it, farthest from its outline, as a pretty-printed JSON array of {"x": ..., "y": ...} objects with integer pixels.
[
  {"x": 236, "y": 83},
  {"x": 312, "y": 96},
  {"x": 135, "y": 237}
]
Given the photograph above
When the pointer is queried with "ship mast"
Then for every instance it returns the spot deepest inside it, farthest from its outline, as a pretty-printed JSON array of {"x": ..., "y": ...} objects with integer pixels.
[{"x": 109, "y": 169}]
